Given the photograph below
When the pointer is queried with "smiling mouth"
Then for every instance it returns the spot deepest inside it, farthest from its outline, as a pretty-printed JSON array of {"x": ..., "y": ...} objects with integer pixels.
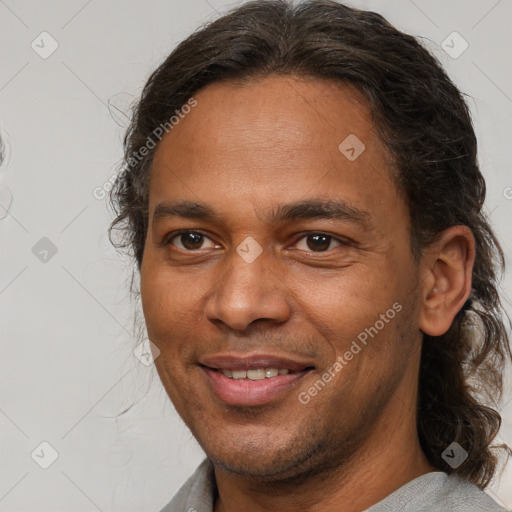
[
  {"x": 253, "y": 384},
  {"x": 257, "y": 373}
]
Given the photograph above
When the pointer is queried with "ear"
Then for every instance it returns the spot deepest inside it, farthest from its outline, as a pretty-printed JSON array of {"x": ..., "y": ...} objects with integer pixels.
[{"x": 447, "y": 266}]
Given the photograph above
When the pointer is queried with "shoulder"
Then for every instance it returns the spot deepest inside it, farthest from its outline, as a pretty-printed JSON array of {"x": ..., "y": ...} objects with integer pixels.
[
  {"x": 197, "y": 493},
  {"x": 438, "y": 491}
]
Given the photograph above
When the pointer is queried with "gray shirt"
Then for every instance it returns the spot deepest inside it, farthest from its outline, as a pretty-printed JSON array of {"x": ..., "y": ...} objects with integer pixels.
[{"x": 436, "y": 491}]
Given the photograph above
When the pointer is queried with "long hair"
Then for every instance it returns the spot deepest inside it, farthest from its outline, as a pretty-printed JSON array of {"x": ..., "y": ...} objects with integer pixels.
[{"x": 422, "y": 118}]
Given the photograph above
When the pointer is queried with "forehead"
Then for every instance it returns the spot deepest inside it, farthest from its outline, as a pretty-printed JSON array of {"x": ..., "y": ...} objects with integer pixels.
[
  {"x": 279, "y": 116},
  {"x": 274, "y": 140}
]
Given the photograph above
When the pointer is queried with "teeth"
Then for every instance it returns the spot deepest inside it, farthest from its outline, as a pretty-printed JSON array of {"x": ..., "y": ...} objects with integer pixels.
[
  {"x": 255, "y": 374},
  {"x": 258, "y": 374}
]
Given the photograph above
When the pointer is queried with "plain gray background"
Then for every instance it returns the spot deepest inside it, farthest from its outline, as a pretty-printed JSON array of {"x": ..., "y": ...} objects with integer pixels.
[{"x": 67, "y": 364}]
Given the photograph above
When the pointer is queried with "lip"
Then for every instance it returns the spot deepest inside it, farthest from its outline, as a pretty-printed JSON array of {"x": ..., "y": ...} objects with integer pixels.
[
  {"x": 233, "y": 361},
  {"x": 248, "y": 393}
]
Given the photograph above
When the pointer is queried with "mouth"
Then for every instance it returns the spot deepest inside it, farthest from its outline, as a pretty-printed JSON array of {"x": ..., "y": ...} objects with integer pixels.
[
  {"x": 254, "y": 374},
  {"x": 248, "y": 381}
]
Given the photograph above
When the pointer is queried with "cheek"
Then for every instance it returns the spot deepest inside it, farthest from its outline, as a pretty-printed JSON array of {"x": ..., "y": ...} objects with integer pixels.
[
  {"x": 348, "y": 297},
  {"x": 347, "y": 308},
  {"x": 166, "y": 312},
  {"x": 157, "y": 304},
  {"x": 151, "y": 299},
  {"x": 171, "y": 303},
  {"x": 166, "y": 300}
]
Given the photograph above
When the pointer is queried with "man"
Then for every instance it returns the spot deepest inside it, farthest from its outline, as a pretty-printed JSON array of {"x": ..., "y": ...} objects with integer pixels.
[{"x": 302, "y": 197}]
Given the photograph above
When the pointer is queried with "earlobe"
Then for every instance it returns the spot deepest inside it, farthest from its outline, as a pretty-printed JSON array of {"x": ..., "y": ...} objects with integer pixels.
[{"x": 447, "y": 270}]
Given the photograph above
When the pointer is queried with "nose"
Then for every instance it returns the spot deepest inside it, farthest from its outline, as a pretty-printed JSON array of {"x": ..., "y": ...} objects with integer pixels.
[{"x": 248, "y": 293}]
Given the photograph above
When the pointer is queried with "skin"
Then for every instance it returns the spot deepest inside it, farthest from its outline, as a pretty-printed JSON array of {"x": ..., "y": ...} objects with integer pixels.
[{"x": 243, "y": 150}]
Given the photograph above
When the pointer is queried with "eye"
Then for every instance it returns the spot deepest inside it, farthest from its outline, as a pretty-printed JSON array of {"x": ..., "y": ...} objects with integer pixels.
[
  {"x": 190, "y": 240},
  {"x": 317, "y": 242}
]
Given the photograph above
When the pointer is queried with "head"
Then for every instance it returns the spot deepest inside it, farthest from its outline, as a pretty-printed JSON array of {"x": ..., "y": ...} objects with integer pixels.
[{"x": 263, "y": 100}]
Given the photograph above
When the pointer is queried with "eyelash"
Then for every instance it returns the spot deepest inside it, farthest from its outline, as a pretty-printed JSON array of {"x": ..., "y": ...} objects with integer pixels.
[{"x": 176, "y": 234}]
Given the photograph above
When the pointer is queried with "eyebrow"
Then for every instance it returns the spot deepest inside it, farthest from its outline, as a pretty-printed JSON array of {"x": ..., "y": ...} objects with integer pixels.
[{"x": 337, "y": 209}]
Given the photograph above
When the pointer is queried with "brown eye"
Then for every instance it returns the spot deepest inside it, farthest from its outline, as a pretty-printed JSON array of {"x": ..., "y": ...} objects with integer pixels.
[
  {"x": 318, "y": 242},
  {"x": 190, "y": 240}
]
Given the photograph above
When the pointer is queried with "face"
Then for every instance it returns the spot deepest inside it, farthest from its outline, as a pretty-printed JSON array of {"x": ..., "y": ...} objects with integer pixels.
[{"x": 270, "y": 250}]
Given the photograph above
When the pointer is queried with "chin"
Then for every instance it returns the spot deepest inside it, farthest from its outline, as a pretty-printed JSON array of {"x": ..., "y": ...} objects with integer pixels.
[
  {"x": 258, "y": 469},
  {"x": 264, "y": 461}
]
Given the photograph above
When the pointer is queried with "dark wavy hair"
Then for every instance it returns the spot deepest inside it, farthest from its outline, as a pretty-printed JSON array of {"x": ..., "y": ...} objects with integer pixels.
[{"x": 425, "y": 123}]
